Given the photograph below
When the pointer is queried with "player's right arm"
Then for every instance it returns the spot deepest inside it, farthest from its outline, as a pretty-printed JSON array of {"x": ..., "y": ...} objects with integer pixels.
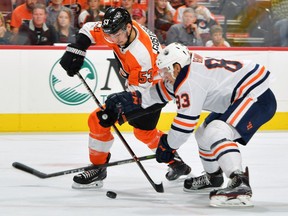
[
  {"x": 161, "y": 92},
  {"x": 73, "y": 58},
  {"x": 125, "y": 106}
]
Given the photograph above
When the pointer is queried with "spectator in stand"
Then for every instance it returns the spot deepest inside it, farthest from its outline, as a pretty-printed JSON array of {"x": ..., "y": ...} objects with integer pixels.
[
  {"x": 16, "y": 3},
  {"x": 170, "y": 7},
  {"x": 143, "y": 4},
  {"x": 21, "y": 13},
  {"x": 5, "y": 35},
  {"x": 92, "y": 14},
  {"x": 104, "y": 4},
  {"x": 163, "y": 20},
  {"x": 36, "y": 31},
  {"x": 52, "y": 12},
  {"x": 82, "y": 3},
  {"x": 66, "y": 33},
  {"x": 139, "y": 16},
  {"x": 186, "y": 32},
  {"x": 217, "y": 39},
  {"x": 128, "y": 5},
  {"x": 205, "y": 19},
  {"x": 176, "y": 3},
  {"x": 280, "y": 17}
]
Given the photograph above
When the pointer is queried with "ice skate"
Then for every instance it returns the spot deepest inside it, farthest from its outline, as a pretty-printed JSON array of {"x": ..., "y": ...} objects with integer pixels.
[
  {"x": 177, "y": 169},
  {"x": 238, "y": 192},
  {"x": 90, "y": 179},
  {"x": 204, "y": 183}
]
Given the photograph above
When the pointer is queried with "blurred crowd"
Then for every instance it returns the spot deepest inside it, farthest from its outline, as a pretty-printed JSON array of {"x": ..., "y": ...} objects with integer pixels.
[{"x": 210, "y": 23}]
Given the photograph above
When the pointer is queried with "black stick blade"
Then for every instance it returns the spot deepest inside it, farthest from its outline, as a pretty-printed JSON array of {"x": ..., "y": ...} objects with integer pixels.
[
  {"x": 28, "y": 169},
  {"x": 159, "y": 188}
]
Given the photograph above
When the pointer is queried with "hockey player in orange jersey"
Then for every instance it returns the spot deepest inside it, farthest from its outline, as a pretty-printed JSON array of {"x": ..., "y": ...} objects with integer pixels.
[
  {"x": 237, "y": 94},
  {"x": 136, "y": 48}
]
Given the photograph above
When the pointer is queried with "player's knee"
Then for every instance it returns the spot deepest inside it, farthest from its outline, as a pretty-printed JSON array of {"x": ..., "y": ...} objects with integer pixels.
[
  {"x": 214, "y": 132},
  {"x": 92, "y": 119},
  {"x": 199, "y": 134},
  {"x": 149, "y": 137},
  {"x": 142, "y": 135},
  {"x": 96, "y": 129}
]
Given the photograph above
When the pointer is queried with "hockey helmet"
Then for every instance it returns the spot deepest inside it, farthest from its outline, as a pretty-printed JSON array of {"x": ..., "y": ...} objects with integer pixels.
[
  {"x": 171, "y": 54},
  {"x": 115, "y": 19}
]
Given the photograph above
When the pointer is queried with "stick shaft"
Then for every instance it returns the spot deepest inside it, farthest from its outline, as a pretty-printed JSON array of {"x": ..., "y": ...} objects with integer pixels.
[
  {"x": 40, "y": 174},
  {"x": 158, "y": 187}
]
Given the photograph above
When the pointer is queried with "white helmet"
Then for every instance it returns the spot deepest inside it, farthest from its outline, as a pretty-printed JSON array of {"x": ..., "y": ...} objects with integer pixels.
[{"x": 171, "y": 54}]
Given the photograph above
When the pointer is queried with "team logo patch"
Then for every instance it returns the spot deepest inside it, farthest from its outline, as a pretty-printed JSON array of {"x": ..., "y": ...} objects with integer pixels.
[
  {"x": 70, "y": 90},
  {"x": 117, "y": 15},
  {"x": 105, "y": 21}
]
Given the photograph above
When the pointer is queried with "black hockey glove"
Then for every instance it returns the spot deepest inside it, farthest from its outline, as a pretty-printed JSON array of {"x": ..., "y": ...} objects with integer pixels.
[
  {"x": 73, "y": 59},
  {"x": 124, "y": 101},
  {"x": 117, "y": 105},
  {"x": 107, "y": 117},
  {"x": 164, "y": 153}
]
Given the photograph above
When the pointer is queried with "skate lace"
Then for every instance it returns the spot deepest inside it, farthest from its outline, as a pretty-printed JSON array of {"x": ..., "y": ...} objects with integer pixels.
[
  {"x": 88, "y": 174},
  {"x": 204, "y": 179},
  {"x": 234, "y": 182}
]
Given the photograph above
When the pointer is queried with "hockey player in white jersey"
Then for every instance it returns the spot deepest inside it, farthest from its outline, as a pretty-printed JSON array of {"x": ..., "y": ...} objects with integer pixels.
[{"x": 238, "y": 96}]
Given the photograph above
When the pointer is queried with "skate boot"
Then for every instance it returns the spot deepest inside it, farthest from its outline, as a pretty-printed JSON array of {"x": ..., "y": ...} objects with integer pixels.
[
  {"x": 90, "y": 179},
  {"x": 177, "y": 168},
  {"x": 237, "y": 193},
  {"x": 204, "y": 183}
]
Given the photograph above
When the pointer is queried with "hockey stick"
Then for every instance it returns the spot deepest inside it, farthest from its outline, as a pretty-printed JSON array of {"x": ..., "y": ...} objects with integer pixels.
[
  {"x": 42, "y": 175},
  {"x": 158, "y": 187}
]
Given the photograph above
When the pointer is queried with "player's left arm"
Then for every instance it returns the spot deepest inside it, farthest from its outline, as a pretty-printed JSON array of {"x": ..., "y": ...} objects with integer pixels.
[{"x": 189, "y": 103}]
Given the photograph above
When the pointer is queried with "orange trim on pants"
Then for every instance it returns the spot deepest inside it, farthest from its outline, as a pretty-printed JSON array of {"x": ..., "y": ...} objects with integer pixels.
[
  {"x": 149, "y": 137},
  {"x": 100, "y": 133},
  {"x": 98, "y": 157},
  {"x": 96, "y": 130}
]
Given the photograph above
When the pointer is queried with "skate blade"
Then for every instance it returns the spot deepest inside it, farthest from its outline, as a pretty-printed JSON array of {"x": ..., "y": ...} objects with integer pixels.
[
  {"x": 239, "y": 201},
  {"x": 93, "y": 185},
  {"x": 200, "y": 191}
]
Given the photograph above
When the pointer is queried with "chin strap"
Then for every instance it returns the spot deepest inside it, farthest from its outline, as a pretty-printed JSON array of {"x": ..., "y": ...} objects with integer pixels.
[{"x": 128, "y": 40}]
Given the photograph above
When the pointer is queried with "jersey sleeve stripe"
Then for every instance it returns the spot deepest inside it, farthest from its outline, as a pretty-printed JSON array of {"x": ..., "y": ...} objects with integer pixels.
[
  {"x": 159, "y": 93},
  {"x": 242, "y": 81},
  {"x": 249, "y": 82},
  {"x": 256, "y": 84},
  {"x": 252, "y": 80},
  {"x": 181, "y": 130},
  {"x": 188, "y": 117},
  {"x": 164, "y": 90},
  {"x": 184, "y": 123}
]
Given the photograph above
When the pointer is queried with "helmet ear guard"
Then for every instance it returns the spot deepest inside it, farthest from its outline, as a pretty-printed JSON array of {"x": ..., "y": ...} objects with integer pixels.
[
  {"x": 115, "y": 19},
  {"x": 171, "y": 54}
]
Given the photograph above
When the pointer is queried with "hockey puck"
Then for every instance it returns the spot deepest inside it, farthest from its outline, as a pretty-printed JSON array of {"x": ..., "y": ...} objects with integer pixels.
[{"x": 111, "y": 194}]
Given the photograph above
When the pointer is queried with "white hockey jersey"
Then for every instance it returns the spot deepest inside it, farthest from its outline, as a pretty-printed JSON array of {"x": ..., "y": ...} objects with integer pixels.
[{"x": 207, "y": 84}]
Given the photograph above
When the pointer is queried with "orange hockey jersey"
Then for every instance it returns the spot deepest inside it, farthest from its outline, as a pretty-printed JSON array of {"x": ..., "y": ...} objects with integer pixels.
[{"x": 137, "y": 60}]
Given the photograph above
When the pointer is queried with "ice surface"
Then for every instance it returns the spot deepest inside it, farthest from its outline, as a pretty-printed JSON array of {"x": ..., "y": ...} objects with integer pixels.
[{"x": 24, "y": 194}]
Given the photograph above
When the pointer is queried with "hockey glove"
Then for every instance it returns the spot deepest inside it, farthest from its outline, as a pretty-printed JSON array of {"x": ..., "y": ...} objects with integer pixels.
[
  {"x": 124, "y": 102},
  {"x": 117, "y": 105},
  {"x": 73, "y": 59},
  {"x": 164, "y": 153},
  {"x": 107, "y": 117}
]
